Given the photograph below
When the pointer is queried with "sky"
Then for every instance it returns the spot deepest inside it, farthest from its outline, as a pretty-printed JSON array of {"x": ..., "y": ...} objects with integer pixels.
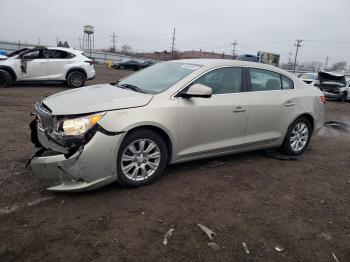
[{"x": 265, "y": 25}]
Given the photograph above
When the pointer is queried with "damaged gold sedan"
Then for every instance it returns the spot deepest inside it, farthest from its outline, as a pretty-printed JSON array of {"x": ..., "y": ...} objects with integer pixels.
[{"x": 168, "y": 113}]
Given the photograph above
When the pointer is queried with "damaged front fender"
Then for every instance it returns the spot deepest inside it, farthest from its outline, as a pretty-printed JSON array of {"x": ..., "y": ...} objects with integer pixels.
[{"x": 76, "y": 165}]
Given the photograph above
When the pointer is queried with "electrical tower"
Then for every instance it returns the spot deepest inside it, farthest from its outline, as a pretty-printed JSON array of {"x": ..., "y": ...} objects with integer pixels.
[
  {"x": 234, "y": 49},
  {"x": 296, "y": 52},
  {"x": 114, "y": 37}
]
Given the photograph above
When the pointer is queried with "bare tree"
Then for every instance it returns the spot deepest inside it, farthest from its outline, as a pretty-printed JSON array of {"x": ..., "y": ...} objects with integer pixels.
[
  {"x": 126, "y": 49},
  {"x": 338, "y": 66}
]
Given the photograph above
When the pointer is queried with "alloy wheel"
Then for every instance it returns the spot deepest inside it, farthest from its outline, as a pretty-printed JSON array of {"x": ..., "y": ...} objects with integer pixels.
[
  {"x": 140, "y": 159},
  {"x": 299, "y": 136},
  {"x": 77, "y": 80}
]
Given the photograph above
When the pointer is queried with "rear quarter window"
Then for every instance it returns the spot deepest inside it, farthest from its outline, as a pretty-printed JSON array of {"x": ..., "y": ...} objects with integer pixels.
[{"x": 287, "y": 83}]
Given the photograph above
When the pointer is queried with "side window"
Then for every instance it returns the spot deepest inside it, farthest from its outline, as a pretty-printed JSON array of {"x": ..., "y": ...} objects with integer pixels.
[
  {"x": 222, "y": 81},
  {"x": 264, "y": 80},
  {"x": 59, "y": 54},
  {"x": 287, "y": 83},
  {"x": 36, "y": 54}
]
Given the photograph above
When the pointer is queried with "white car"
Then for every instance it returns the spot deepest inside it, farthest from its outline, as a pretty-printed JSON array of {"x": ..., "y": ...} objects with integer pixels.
[
  {"x": 46, "y": 64},
  {"x": 310, "y": 79}
]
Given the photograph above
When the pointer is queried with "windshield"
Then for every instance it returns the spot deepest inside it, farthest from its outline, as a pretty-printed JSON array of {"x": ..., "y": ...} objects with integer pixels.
[
  {"x": 159, "y": 77},
  {"x": 17, "y": 52},
  {"x": 308, "y": 76}
]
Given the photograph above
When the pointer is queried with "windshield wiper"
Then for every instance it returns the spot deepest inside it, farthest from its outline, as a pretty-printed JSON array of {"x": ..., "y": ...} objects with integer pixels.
[{"x": 132, "y": 87}]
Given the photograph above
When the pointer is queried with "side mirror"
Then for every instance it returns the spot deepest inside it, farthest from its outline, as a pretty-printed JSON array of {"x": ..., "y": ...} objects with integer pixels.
[{"x": 197, "y": 90}]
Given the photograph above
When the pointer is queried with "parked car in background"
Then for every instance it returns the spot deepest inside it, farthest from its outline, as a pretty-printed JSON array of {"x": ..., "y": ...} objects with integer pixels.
[
  {"x": 310, "y": 78},
  {"x": 46, "y": 64},
  {"x": 334, "y": 86},
  {"x": 147, "y": 63},
  {"x": 131, "y": 64},
  {"x": 168, "y": 113}
]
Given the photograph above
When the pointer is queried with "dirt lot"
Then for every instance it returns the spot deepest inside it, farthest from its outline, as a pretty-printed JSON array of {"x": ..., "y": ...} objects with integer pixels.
[{"x": 302, "y": 206}]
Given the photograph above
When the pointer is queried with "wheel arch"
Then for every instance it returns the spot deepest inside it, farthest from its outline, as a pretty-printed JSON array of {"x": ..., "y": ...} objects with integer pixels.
[
  {"x": 76, "y": 69},
  {"x": 160, "y": 131},
  {"x": 10, "y": 71}
]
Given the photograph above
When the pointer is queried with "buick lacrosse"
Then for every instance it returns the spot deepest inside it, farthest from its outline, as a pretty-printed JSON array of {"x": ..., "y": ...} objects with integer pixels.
[{"x": 171, "y": 112}]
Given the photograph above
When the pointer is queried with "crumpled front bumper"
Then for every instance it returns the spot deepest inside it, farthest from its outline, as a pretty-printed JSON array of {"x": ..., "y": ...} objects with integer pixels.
[
  {"x": 332, "y": 96},
  {"x": 89, "y": 167}
]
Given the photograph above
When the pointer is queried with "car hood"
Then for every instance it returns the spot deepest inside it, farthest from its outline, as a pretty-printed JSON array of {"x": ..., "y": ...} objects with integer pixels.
[{"x": 94, "y": 99}]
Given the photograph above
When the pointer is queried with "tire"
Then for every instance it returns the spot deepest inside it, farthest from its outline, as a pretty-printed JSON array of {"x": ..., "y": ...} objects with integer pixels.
[
  {"x": 121, "y": 67},
  {"x": 137, "y": 166},
  {"x": 295, "y": 141},
  {"x": 5, "y": 78},
  {"x": 343, "y": 97},
  {"x": 75, "y": 79}
]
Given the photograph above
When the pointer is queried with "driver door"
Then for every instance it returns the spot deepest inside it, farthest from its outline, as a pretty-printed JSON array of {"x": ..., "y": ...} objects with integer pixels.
[
  {"x": 214, "y": 125},
  {"x": 33, "y": 64}
]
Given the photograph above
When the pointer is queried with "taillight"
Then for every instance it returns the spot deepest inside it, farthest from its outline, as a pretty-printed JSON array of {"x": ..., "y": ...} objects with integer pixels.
[
  {"x": 89, "y": 62},
  {"x": 323, "y": 99}
]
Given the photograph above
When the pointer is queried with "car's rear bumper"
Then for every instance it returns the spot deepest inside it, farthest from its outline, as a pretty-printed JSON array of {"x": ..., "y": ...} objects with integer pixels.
[{"x": 91, "y": 166}]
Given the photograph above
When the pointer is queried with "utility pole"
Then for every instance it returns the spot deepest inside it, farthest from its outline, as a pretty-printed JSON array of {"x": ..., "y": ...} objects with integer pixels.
[
  {"x": 325, "y": 68},
  {"x": 290, "y": 59},
  {"x": 173, "y": 43},
  {"x": 80, "y": 46},
  {"x": 39, "y": 41},
  {"x": 114, "y": 37},
  {"x": 57, "y": 41},
  {"x": 234, "y": 49},
  {"x": 296, "y": 52}
]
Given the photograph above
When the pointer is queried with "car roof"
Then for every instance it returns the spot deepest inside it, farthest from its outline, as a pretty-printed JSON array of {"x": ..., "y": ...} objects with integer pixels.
[
  {"x": 228, "y": 62},
  {"x": 71, "y": 50}
]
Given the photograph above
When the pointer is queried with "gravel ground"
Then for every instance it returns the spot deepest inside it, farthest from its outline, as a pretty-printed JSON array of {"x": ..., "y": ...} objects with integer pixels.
[{"x": 302, "y": 207}]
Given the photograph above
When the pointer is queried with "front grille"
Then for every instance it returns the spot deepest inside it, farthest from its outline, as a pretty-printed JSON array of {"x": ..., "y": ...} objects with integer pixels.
[{"x": 45, "y": 117}]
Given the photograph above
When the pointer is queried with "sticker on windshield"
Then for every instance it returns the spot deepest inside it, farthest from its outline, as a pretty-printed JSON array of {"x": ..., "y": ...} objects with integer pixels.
[{"x": 191, "y": 67}]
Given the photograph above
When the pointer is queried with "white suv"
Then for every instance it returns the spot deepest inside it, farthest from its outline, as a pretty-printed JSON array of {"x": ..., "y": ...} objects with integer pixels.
[{"x": 46, "y": 64}]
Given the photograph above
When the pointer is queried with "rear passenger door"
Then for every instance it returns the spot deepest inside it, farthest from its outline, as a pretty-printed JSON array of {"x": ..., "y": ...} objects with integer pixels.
[
  {"x": 57, "y": 63},
  {"x": 271, "y": 106}
]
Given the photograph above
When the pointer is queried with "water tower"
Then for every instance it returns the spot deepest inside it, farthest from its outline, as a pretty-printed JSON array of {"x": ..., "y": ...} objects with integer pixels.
[{"x": 88, "y": 38}]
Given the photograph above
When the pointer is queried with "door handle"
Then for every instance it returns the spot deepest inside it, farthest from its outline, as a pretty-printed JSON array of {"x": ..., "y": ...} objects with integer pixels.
[
  {"x": 289, "y": 104},
  {"x": 239, "y": 109}
]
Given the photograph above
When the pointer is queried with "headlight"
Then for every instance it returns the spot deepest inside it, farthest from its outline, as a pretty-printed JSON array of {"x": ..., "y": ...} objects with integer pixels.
[{"x": 77, "y": 126}]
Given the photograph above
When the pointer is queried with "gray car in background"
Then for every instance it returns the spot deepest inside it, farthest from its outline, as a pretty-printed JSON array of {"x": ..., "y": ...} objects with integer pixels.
[{"x": 168, "y": 113}]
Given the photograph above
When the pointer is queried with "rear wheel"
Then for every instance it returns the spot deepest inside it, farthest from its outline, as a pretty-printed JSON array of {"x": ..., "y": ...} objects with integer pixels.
[
  {"x": 75, "y": 79},
  {"x": 142, "y": 157},
  {"x": 298, "y": 137},
  {"x": 5, "y": 78}
]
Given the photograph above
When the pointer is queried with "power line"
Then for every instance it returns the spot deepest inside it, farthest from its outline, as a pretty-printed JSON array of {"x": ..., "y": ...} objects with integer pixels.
[{"x": 296, "y": 52}]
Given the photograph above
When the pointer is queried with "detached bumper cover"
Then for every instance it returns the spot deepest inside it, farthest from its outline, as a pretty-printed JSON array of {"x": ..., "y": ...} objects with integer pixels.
[{"x": 90, "y": 166}]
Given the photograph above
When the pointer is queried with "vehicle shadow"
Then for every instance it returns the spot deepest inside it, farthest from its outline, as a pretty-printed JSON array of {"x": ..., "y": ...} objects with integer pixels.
[{"x": 38, "y": 85}]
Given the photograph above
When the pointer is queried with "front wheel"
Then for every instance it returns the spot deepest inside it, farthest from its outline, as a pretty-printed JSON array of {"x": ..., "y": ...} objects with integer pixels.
[
  {"x": 343, "y": 97},
  {"x": 75, "y": 79},
  {"x": 298, "y": 137},
  {"x": 142, "y": 157}
]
